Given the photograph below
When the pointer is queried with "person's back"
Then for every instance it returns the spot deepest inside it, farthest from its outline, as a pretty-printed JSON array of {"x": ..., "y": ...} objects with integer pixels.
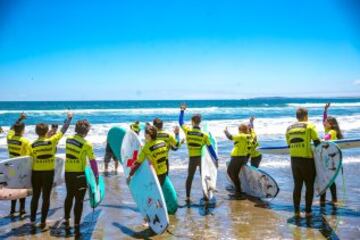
[
  {"x": 18, "y": 146},
  {"x": 195, "y": 140},
  {"x": 154, "y": 150},
  {"x": 299, "y": 137},
  {"x": 239, "y": 155},
  {"x": 43, "y": 169},
  {"x": 79, "y": 152}
]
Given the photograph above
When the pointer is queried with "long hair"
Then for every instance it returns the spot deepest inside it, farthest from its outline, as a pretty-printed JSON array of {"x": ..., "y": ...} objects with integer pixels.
[{"x": 334, "y": 125}]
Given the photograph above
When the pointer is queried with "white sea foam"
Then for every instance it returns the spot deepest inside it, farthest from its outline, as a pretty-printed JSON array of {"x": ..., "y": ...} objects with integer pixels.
[
  {"x": 267, "y": 129},
  {"x": 321, "y": 105}
]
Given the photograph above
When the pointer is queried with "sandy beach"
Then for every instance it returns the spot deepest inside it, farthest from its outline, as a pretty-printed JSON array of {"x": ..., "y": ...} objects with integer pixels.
[{"x": 118, "y": 218}]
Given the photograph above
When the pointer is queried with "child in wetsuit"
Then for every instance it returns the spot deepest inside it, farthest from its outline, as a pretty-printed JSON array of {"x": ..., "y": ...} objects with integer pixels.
[{"x": 332, "y": 132}]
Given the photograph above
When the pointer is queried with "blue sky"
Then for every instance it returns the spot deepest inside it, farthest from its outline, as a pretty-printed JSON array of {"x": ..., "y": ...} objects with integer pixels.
[{"x": 105, "y": 50}]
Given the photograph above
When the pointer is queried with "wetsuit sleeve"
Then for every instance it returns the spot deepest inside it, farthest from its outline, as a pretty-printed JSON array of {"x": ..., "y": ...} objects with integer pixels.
[
  {"x": 142, "y": 155},
  {"x": 324, "y": 117},
  {"x": 19, "y": 120},
  {"x": 314, "y": 135},
  {"x": 92, "y": 159},
  {"x": 174, "y": 141},
  {"x": 10, "y": 134},
  {"x": 210, "y": 147},
  {"x": 287, "y": 138},
  {"x": 181, "y": 122},
  {"x": 140, "y": 159},
  {"x": 228, "y": 135},
  {"x": 212, "y": 153},
  {"x": 181, "y": 118},
  {"x": 56, "y": 138},
  {"x": 27, "y": 148},
  {"x": 66, "y": 125}
]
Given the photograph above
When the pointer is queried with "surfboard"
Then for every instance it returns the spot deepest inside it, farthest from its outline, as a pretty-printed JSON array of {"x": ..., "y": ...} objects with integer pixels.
[
  {"x": 96, "y": 191},
  {"x": 256, "y": 182},
  {"x": 12, "y": 194},
  {"x": 114, "y": 138},
  {"x": 144, "y": 185},
  {"x": 328, "y": 162},
  {"x": 342, "y": 144},
  {"x": 17, "y": 172},
  {"x": 208, "y": 168},
  {"x": 170, "y": 196}
]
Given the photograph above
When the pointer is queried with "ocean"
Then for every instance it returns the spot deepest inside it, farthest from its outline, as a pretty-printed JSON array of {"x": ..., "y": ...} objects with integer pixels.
[{"x": 273, "y": 116}]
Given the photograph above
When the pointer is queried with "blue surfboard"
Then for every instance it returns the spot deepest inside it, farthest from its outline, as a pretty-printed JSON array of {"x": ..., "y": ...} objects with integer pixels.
[
  {"x": 96, "y": 191},
  {"x": 170, "y": 196},
  {"x": 114, "y": 138}
]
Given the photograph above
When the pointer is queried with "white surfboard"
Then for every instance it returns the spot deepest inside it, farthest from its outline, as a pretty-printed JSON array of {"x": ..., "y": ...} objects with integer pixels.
[
  {"x": 328, "y": 162},
  {"x": 12, "y": 194},
  {"x": 208, "y": 168},
  {"x": 16, "y": 172},
  {"x": 144, "y": 185},
  {"x": 256, "y": 183},
  {"x": 280, "y": 150}
]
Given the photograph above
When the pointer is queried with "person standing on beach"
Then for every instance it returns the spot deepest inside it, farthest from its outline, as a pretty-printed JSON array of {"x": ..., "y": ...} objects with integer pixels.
[
  {"x": 255, "y": 155},
  {"x": 107, "y": 158},
  {"x": 172, "y": 142},
  {"x": 299, "y": 136},
  {"x": 43, "y": 169},
  {"x": 332, "y": 132},
  {"x": 239, "y": 155},
  {"x": 78, "y": 150},
  {"x": 18, "y": 146},
  {"x": 195, "y": 140},
  {"x": 156, "y": 151}
]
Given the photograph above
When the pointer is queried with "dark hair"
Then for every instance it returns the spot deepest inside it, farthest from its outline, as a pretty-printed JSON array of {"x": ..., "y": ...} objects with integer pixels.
[
  {"x": 196, "y": 118},
  {"x": 158, "y": 123},
  {"x": 55, "y": 126},
  {"x": 41, "y": 129},
  {"x": 245, "y": 127},
  {"x": 152, "y": 131},
  {"x": 82, "y": 127},
  {"x": 19, "y": 128},
  {"x": 334, "y": 125},
  {"x": 301, "y": 113}
]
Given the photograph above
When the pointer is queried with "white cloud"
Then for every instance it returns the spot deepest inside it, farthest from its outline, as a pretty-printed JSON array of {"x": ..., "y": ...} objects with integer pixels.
[{"x": 357, "y": 82}]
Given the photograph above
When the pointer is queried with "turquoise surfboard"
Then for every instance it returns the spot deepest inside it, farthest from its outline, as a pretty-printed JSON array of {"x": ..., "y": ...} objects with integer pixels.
[
  {"x": 96, "y": 191},
  {"x": 114, "y": 138},
  {"x": 170, "y": 196}
]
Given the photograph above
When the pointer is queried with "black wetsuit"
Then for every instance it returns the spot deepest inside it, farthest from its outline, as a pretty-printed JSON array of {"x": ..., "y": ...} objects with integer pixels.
[
  {"x": 255, "y": 161},
  {"x": 75, "y": 188},
  {"x": 42, "y": 182},
  {"x": 303, "y": 170},
  {"x": 194, "y": 162},
  {"x": 22, "y": 205},
  {"x": 233, "y": 170},
  {"x": 333, "y": 193}
]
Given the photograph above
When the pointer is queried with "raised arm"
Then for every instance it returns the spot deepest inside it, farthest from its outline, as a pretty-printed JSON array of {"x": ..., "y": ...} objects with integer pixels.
[
  {"x": 19, "y": 120},
  {"x": 181, "y": 116},
  {"x": 227, "y": 134},
  {"x": 67, "y": 122},
  {"x": 326, "y": 107},
  {"x": 251, "y": 122}
]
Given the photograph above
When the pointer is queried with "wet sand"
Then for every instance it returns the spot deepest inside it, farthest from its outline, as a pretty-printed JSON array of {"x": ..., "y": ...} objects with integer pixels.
[{"x": 118, "y": 218}]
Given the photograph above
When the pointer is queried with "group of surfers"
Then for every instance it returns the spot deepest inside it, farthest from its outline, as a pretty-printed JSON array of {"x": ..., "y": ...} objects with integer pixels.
[{"x": 158, "y": 143}]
